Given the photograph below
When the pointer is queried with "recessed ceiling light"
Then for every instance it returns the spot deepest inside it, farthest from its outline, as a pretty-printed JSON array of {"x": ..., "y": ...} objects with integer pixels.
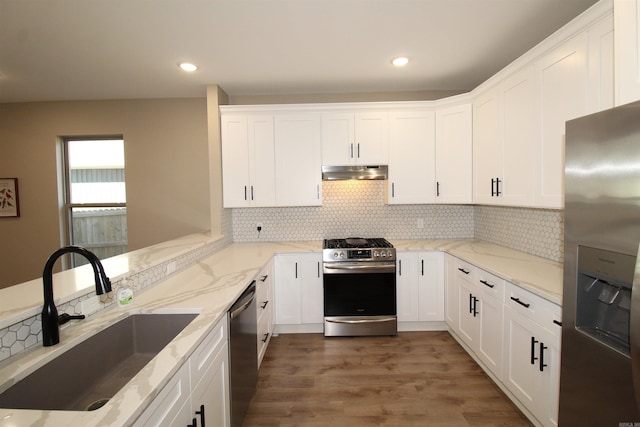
[
  {"x": 187, "y": 66},
  {"x": 400, "y": 61}
]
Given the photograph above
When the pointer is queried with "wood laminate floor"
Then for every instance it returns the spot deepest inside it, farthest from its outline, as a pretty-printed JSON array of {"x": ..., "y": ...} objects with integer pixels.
[{"x": 413, "y": 379}]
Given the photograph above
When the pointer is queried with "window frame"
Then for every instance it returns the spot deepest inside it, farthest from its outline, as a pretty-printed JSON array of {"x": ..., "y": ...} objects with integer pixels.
[{"x": 67, "y": 205}]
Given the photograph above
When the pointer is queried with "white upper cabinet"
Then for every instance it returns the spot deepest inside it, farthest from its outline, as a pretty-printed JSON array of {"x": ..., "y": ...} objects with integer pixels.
[
  {"x": 352, "y": 138},
  {"x": 602, "y": 65},
  {"x": 297, "y": 159},
  {"x": 248, "y": 160},
  {"x": 453, "y": 156},
  {"x": 627, "y": 49},
  {"x": 562, "y": 79},
  {"x": 412, "y": 140},
  {"x": 487, "y": 153}
]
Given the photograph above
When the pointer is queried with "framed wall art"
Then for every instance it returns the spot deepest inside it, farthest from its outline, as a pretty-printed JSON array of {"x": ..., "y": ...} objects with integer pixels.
[{"x": 9, "y": 206}]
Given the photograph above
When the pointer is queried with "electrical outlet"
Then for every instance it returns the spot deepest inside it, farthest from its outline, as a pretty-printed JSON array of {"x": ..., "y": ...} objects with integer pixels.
[
  {"x": 171, "y": 267},
  {"x": 90, "y": 305}
]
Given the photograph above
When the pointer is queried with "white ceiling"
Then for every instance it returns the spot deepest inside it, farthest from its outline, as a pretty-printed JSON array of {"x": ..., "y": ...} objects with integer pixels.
[{"x": 116, "y": 49}]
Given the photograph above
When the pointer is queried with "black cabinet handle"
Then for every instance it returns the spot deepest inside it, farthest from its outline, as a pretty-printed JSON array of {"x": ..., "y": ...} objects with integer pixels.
[
  {"x": 470, "y": 303},
  {"x": 422, "y": 268},
  {"x": 437, "y": 188},
  {"x": 265, "y": 338},
  {"x": 263, "y": 278},
  {"x": 475, "y": 306},
  {"x": 463, "y": 270},
  {"x": 484, "y": 282},
  {"x": 493, "y": 193},
  {"x": 542, "y": 364},
  {"x": 264, "y": 304},
  {"x": 557, "y": 323},
  {"x": 358, "y": 150},
  {"x": 252, "y": 192},
  {"x": 245, "y": 192},
  {"x": 524, "y": 304},
  {"x": 497, "y": 187},
  {"x": 318, "y": 269},
  {"x": 352, "y": 151},
  {"x": 393, "y": 189},
  {"x": 194, "y": 423},
  {"x": 533, "y": 350},
  {"x": 399, "y": 267},
  {"x": 201, "y": 413},
  {"x": 296, "y": 270}
]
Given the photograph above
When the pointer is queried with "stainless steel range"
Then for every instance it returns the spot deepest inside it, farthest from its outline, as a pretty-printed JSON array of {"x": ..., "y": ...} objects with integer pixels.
[{"x": 359, "y": 287}]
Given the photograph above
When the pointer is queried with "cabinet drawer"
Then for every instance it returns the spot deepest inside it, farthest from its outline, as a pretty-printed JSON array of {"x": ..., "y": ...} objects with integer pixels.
[
  {"x": 264, "y": 299},
  {"x": 533, "y": 307},
  {"x": 207, "y": 350},
  {"x": 264, "y": 336},
  {"x": 465, "y": 271},
  {"x": 491, "y": 286}
]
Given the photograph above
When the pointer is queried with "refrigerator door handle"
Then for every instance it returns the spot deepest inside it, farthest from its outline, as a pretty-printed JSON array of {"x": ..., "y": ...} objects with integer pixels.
[{"x": 634, "y": 332}]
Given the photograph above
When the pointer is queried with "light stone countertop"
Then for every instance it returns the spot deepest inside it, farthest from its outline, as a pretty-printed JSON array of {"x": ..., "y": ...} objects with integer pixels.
[{"x": 209, "y": 287}]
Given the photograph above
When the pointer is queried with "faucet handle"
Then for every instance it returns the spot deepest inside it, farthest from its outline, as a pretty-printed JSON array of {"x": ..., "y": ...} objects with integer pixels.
[{"x": 64, "y": 318}]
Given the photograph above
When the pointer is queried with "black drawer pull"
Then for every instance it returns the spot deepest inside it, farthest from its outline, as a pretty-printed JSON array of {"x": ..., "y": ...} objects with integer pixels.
[
  {"x": 484, "y": 282},
  {"x": 557, "y": 323},
  {"x": 263, "y": 278},
  {"x": 524, "y": 304},
  {"x": 266, "y": 337},
  {"x": 463, "y": 270},
  {"x": 264, "y": 304},
  {"x": 542, "y": 364},
  {"x": 533, "y": 350}
]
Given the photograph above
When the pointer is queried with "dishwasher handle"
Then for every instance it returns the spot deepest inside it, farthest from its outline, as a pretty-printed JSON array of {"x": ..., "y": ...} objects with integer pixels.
[{"x": 244, "y": 301}]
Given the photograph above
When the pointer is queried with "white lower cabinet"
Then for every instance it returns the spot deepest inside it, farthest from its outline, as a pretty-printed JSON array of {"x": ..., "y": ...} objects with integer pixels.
[
  {"x": 298, "y": 289},
  {"x": 264, "y": 307},
  {"x": 198, "y": 391},
  {"x": 420, "y": 286},
  {"x": 514, "y": 334},
  {"x": 532, "y": 353}
]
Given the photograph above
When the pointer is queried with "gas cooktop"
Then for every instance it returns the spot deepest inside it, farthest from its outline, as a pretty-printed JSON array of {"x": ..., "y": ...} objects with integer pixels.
[{"x": 356, "y": 243}]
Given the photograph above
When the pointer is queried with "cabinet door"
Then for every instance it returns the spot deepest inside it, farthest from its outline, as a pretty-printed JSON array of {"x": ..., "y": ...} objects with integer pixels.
[
  {"x": 489, "y": 348},
  {"x": 411, "y": 157},
  {"x": 338, "y": 139},
  {"x": 407, "y": 290},
  {"x": 310, "y": 280},
  {"x": 517, "y": 132},
  {"x": 235, "y": 161},
  {"x": 288, "y": 290},
  {"x": 371, "y": 138},
  {"x": 210, "y": 397},
  {"x": 452, "y": 309},
  {"x": 299, "y": 289},
  {"x": 487, "y": 154},
  {"x": 172, "y": 406},
  {"x": 261, "y": 161},
  {"x": 469, "y": 313},
  {"x": 627, "y": 49},
  {"x": 298, "y": 160},
  {"x": 521, "y": 357},
  {"x": 601, "y": 65},
  {"x": 431, "y": 286},
  {"x": 453, "y": 159},
  {"x": 562, "y": 79}
]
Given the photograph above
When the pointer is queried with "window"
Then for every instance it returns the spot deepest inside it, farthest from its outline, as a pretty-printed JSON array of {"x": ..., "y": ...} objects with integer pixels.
[{"x": 95, "y": 195}]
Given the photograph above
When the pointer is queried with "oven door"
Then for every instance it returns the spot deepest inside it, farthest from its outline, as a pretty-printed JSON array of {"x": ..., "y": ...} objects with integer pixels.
[{"x": 360, "y": 299}]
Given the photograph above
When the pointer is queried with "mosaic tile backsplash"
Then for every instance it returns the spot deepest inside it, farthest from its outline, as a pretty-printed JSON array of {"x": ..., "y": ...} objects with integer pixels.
[{"x": 356, "y": 208}]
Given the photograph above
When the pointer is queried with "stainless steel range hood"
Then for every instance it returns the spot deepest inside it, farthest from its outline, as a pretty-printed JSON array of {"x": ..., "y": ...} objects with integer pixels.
[{"x": 336, "y": 173}]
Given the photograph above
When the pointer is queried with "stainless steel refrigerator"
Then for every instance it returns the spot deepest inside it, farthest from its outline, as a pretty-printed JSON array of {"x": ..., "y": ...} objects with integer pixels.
[{"x": 601, "y": 297}]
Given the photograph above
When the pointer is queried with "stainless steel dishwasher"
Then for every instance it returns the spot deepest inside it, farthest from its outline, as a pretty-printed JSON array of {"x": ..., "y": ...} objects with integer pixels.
[{"x": 243, "y": 353}]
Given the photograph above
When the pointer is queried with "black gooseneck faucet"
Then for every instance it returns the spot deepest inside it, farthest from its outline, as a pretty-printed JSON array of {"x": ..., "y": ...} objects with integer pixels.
[{"x": 50, "y": 320}]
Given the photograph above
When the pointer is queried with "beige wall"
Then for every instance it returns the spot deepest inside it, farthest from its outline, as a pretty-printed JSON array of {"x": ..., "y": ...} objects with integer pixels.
[{"x": 167, "y": 173}]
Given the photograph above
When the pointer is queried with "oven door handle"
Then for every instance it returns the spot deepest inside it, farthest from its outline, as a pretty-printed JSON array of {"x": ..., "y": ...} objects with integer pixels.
[
  {"x": 359, "y": 268},
  {"x": 369, "y": 320}
]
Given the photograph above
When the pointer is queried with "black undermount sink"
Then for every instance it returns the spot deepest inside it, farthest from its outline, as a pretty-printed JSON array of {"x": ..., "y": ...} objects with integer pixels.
[{"x": 86, "y": 376}]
